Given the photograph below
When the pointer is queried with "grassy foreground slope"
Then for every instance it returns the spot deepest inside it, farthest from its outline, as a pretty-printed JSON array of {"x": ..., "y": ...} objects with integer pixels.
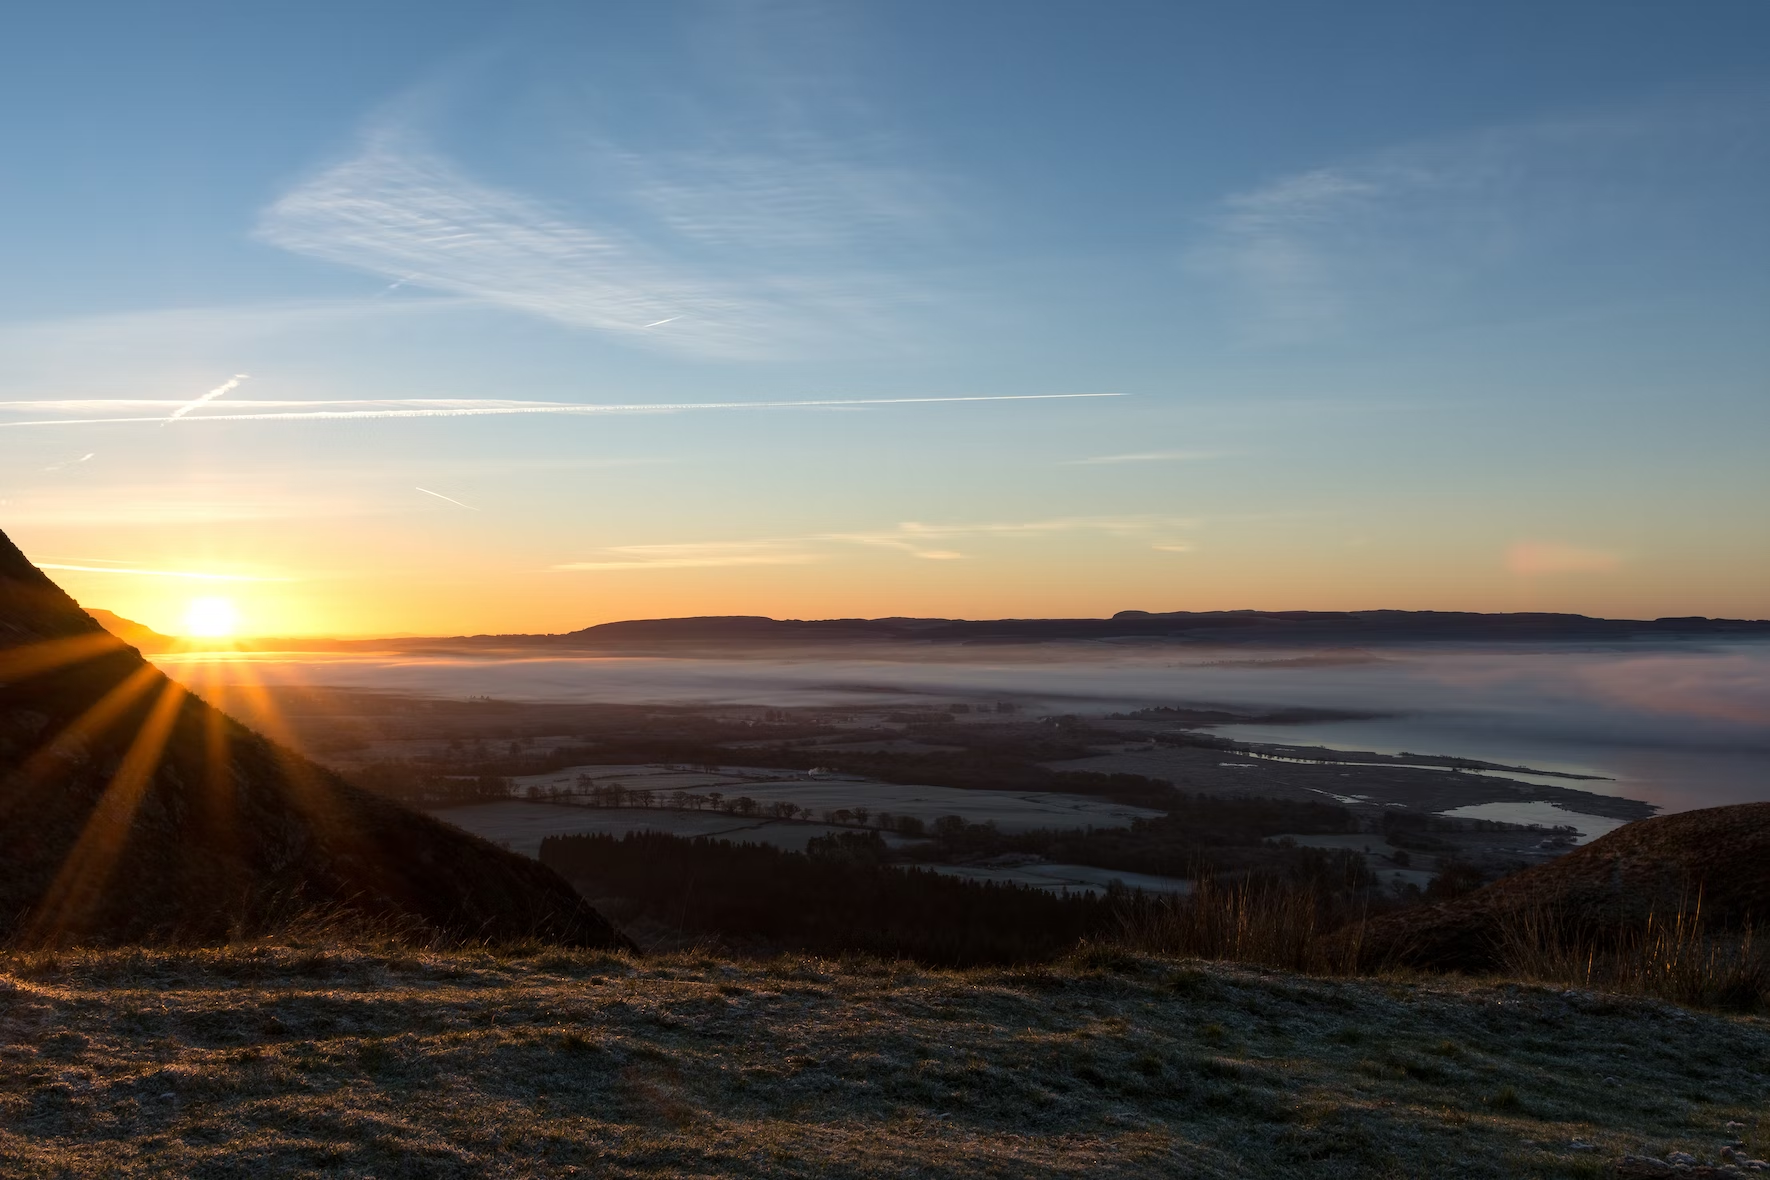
[{"x": 338, "y": 1061}]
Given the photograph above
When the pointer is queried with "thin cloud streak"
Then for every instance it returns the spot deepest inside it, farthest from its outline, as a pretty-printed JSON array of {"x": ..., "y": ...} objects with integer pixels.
[
  {"x": 698, "y": 555},
  {"x": 450, "y": 499},
  {"x": 911, "y": 537},
  {"x": 474, "y": 410},
  {"x": 190, "y": 574},
  {"x": 100, "y": 404}
]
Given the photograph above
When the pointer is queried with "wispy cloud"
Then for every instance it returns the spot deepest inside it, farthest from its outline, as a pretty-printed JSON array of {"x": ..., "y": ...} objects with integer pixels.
[
  {"x": 751, "y": 198},
  {"x": 417, "y": 219},
  {"x": 1402, "y": 232},
  {"x": 917, "y": 539},
  {"x": 1268, "y": 244},
  {"x": 794, "y": 191},
  {"x": 747, "y": 250},
  {"x": 1144, "y": 457},
  {"x": 103, "y": 410}
]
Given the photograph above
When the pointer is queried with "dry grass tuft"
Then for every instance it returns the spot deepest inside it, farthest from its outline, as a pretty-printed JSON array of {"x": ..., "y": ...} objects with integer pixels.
[
  {"x": 1673, "y": 956},
  {"x": 1271, "y": 924}
]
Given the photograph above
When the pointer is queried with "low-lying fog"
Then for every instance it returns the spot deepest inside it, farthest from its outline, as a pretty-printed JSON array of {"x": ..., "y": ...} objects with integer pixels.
[{"x": 1680, "y": 726}]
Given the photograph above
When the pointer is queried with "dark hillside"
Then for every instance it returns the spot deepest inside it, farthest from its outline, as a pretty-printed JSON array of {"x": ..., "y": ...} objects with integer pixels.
[
  {"x": 1718, "y": 858},
  {"x": 132, "y": 811}
]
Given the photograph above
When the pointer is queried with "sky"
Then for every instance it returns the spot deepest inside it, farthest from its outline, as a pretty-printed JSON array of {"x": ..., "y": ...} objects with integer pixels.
[{"x": 444, "y": 318}]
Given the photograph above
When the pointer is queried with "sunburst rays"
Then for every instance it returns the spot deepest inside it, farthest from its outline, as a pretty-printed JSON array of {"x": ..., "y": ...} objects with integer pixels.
[
  {"x": 233, "y": 686},
  {"x": 93, "y": 859},
  {"x": 142, "y": 712},
  {"x": 71, "y": 741},
  {"x": 47, "y": 655}
]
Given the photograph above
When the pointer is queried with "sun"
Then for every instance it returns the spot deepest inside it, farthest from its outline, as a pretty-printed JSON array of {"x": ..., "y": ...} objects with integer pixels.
[{"x": 210, "y": 618}]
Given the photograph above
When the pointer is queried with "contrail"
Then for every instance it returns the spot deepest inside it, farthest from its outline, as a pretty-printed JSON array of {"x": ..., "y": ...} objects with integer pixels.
[
  {"x": 568, "y": 408},
  {"x": 450, "y": 499},
  {"x": 72, "y": 462},
  {"x": 230, "y": 384},
  {"x": 661, "y": 323}
]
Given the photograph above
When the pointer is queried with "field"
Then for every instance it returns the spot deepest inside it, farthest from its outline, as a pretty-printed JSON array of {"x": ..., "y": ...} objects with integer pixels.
[
  {"x": 1010, "y": 811},
  {"x": 324, "y": 1058},
  {"x": 1065, "y": 878},
  {"x": 520, "y": 826}
]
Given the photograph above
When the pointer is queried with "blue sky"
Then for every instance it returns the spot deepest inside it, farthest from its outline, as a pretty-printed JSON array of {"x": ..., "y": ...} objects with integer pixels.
[{"x": 1434, "y": 306}]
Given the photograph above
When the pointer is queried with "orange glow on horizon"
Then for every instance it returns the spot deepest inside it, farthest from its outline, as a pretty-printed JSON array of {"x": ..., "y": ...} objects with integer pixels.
[{"x": 1071, "y": 578}]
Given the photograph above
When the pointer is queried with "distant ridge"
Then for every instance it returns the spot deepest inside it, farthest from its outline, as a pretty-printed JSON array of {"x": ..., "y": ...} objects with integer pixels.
[
  {"x": 1252, "y": 628},
  {"x": 1300, "y": 628},
  {"x": 136, "y": 635},
  {"x": 132, "y": 811}
]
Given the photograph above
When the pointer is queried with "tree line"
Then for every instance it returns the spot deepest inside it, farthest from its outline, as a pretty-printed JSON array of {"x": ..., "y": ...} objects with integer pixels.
[{"x": 839, "y": 896}]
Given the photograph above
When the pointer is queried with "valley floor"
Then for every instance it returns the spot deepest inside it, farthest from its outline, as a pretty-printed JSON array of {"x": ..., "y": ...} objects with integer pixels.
[{"x": 339, "y": 1061}]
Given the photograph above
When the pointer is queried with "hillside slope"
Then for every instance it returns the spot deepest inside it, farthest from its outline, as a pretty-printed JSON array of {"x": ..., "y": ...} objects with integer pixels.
[
  {"x": 1718, "y": 858},
  {"x": 331, "y": 1061},
  {"x": 130, "y": 810}
]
